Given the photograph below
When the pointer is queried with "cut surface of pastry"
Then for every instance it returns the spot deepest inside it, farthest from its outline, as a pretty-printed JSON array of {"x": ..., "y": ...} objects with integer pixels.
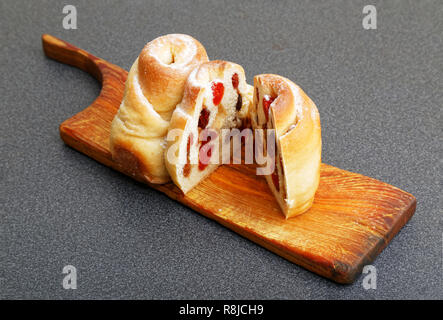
[
  {"x": 281, "y": 105},
  {"x": 153, "y": 88},
  {"x": 216, "y": 97}
]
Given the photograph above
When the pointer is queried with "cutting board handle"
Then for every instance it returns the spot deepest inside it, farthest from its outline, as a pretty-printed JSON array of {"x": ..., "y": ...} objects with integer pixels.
[
  {"x": 111, "y": 77},
  {"x": 64, "y": 52}
]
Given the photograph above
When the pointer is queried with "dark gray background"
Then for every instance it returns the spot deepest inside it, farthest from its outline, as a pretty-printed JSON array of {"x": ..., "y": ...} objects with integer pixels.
[{"x": 379, "y": 93}]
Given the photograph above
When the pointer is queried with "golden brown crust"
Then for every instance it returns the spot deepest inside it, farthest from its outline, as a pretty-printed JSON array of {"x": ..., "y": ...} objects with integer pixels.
[
  {"x": 152, "y": 90},
  {"x": 134, "y": 166},
  {"x": 165, "y": 64}
]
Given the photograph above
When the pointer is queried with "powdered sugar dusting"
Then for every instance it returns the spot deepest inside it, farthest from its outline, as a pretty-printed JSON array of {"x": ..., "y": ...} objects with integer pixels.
[{"x": 298, "y": 102}]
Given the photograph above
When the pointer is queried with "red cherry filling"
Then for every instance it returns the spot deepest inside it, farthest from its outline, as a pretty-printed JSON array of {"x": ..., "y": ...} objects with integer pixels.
[
  {"x": 204, "y": 118},
  {"x": 204, "y": 154},
  {"x": 218, "y": 89},
  {"x": 267, "y": 101},
  {"x": 239, "y": 102},
  {"x": 235, "y": 81}
]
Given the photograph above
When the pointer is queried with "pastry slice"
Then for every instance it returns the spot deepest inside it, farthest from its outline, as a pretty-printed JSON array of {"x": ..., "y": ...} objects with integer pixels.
[
  {"x": 216, "y": 96},
  {"x": 281, "y": 105}
]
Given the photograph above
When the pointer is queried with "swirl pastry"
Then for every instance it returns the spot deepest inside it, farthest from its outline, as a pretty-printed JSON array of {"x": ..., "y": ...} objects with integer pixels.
[
  {"x": 281, "y": 105},
  {"x": 153, "y": 88}
]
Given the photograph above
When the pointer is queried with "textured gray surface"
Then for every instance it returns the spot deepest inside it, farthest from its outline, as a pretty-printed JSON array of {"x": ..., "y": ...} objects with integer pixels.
[{"x": 379, "y": 94}]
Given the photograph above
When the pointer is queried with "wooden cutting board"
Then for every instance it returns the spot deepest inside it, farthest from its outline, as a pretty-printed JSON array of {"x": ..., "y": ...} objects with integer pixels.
[{"x": 353, "y": 217}]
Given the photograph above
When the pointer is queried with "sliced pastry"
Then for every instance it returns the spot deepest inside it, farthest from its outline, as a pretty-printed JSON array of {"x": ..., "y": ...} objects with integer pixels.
[
  {"x": 281, "y": 105},
  {"x": 216, "y": 97}
]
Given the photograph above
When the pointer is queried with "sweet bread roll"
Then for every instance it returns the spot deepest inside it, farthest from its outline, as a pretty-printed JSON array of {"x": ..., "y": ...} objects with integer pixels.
[
  {"x": 281, "y": 105},
  {"x": 153, "y": 88},
  {"x": 216, "y": 96}
]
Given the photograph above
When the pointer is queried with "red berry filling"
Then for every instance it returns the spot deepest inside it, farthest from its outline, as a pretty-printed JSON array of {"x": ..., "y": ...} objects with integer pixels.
[
  {"x": 204, "y": 154},
  {"x": 235, "y": 81},
  {"x": 267, "y": 101},
  {"x": 204, "y": 118},
  {"x": 218, "y": 90},
  {"x": 239, "y": 103}
]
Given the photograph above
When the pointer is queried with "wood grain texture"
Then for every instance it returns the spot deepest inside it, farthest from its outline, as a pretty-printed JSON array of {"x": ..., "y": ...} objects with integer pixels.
[{"x": 353, "y": 217}]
